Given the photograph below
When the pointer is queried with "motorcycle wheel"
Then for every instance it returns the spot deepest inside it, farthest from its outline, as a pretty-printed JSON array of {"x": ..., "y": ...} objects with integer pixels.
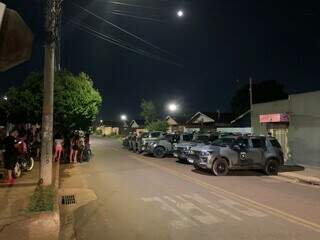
[
  {"x": 16, "y": 173},
  {"x": 30, "y": 164}
]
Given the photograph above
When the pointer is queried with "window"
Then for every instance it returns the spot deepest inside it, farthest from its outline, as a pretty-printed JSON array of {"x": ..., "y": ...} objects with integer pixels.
[
  {"x": 187, "y": 137},
  {"x": 257, "y": 143},
  {"x": 202, "y": 138},
  {"x": 155, "y": 134},
  {"x": 275, "y": 143},
  {"x": 243, "y": 142}
]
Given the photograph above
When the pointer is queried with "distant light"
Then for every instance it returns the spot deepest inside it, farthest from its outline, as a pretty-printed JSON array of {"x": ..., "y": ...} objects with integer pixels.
[
  {"x": 101, "y": 121},
  {"x": 5, "y": 98},
  {"x": 180, "y": 13},
  {"x": 173, "y": 107},
  {"x": 123, "y": 117}
]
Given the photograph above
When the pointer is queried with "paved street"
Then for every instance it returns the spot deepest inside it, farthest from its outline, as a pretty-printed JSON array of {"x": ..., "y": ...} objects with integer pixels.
[{"x": 139, "y": 197}]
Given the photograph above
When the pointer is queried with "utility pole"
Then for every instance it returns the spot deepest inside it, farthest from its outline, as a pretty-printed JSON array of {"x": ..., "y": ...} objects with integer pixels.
[
  {"x": 251, "y": 95},
  {"x": 53, "y": 8}
]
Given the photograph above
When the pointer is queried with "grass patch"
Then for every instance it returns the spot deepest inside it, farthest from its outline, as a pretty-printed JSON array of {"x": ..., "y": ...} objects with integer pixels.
[{"x": 42, "y": 199}]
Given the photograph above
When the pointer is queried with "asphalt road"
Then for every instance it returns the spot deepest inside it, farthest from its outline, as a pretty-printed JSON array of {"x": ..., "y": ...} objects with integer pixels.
[{"x": 141, "y": 197}]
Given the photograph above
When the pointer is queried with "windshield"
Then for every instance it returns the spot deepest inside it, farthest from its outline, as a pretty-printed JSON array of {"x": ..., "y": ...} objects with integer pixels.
[
  {"x": 202, "y": 138},
  {"x": 223, "y": 142}
]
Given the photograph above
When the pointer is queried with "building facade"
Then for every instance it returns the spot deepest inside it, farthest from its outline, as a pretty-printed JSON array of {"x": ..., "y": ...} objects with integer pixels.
[{"x": 295, "y": 122}]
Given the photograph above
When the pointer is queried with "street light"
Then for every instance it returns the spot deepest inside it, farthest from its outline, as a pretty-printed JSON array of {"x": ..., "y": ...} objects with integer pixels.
[
  {"x": 123, "y": 117},
  {"x": 173, "y": 107},
  {"x": 180, "y": 13},
  {"x": 5, "y": 98}
]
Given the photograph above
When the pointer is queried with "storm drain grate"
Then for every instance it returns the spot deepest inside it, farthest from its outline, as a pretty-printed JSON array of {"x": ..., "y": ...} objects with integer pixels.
[{"x": 68, "y": 199}]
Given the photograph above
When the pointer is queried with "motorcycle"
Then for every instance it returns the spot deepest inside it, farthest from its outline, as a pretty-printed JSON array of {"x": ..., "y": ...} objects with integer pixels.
[{"x": 25, "y": 161}]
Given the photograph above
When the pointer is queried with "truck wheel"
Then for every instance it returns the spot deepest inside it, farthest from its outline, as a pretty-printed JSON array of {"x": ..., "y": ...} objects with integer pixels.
[
  {"x": 159, "y": 152},
  {"x": 272, "y": 167},
  {"x": 220, "y": 167}
]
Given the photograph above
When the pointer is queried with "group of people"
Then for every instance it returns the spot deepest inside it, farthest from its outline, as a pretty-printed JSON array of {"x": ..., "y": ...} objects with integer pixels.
[
  {"x": 75, "y": 148},
  {"x": 18, "y": 142},
  {"x": 72, "y": 149}
]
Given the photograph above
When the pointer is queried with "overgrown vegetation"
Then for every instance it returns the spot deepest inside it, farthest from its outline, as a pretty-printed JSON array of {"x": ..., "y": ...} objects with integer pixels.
[{"x": 42, "y": 199}]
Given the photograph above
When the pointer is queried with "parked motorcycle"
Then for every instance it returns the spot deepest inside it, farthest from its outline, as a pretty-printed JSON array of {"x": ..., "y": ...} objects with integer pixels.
[{"x": 25, "y": 161}]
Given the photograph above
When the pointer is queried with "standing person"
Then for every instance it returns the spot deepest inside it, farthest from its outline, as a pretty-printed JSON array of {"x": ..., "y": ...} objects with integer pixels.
[
  {"x": 10, "y": 154},
  {"x": 58, "y": 147},
  {"x": 74, "y": 149}
]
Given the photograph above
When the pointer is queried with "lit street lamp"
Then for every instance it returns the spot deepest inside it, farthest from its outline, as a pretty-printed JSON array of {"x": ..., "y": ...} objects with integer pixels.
[
  {"x": 180, "y": 13},
  {"x": 123, "y": 117},
  {"x": 5, "y": 98},
  {"x": 172, "y": 107}
]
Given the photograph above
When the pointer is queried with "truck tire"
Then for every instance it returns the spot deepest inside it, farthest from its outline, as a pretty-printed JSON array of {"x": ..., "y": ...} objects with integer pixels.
[
  {"x": 272, "y": 167},
  {"x": 159, "y": 152},
  {"x": 220, "y": 167}
]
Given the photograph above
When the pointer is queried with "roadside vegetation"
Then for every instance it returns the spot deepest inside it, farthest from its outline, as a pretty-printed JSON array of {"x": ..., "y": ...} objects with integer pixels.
[{"x": 42, "y": 199}]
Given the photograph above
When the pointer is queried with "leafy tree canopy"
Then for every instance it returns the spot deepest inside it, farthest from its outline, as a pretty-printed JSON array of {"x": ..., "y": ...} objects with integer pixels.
[
  {"x": 262, "y": 92},
  {"x": 158, "y": 125},
  {"x": 76, "y": 101},
  {"x": 149, "y": 111}
]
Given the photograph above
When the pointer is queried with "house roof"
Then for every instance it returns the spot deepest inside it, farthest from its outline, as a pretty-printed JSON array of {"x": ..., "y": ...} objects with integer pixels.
[
  {"x": 218, "y": 117},
  {"x": 183, "y": 119},
  {"x": 243, "y": 120},
  {"x": 140, "y": 122}
]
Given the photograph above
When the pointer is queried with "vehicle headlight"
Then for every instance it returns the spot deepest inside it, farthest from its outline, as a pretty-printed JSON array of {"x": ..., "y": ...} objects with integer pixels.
[{"x": 205, "y": 154}]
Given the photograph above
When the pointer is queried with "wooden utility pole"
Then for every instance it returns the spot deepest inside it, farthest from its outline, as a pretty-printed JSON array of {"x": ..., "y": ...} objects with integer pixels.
[
  {"x": 53, "y": 8},
  {"x": 251, "y": 95}
]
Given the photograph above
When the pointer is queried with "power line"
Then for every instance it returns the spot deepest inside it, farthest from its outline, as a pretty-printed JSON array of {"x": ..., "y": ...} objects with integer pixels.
[
  {"x": 121, "y": 13},
  {"x": 122, "y": 44},
  {"x": 123, "y": 30},
  {"x": 135, "y": 5}
]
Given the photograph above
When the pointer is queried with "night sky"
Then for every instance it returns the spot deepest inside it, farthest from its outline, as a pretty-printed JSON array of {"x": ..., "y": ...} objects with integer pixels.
[{"x": 220, "y": 43}]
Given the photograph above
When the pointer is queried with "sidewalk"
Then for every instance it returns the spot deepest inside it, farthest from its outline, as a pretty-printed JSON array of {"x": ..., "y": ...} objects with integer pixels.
[
  {"x": 305, "y": 174},
  {"x": 16, "y": 222}
]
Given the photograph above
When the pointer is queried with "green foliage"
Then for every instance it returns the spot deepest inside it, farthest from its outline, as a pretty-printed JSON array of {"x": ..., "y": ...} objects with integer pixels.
[
  {"x": 42, "y": 199},
  {"x": 262, "y": 92},
  {"x": 158, "y": 125},
  {"x": 76, "y": 102},
  {"x": 149, "y": 111}
]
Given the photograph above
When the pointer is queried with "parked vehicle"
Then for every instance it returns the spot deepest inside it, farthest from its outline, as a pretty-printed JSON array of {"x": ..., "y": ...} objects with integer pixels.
[
  {"x": 146, "y": 138},
  {"x": 238, "y": 152},
  {"x": 166, "y": 145},
  {"x": 182, "y": 149},
  {"x": 125, "y": 142}
]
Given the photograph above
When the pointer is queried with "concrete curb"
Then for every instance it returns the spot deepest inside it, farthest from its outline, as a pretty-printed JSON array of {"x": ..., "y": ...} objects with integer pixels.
[{"x": 300, "y": 178}]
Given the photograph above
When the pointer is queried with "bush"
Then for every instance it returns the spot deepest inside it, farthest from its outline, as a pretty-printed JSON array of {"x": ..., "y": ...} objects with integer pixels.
[{"x": 42, "y": 199}]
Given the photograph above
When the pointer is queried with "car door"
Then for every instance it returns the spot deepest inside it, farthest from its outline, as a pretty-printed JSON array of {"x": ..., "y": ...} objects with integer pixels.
[
  {"x": 243, "y": 152},
  {"x": 255, "y": 151}
]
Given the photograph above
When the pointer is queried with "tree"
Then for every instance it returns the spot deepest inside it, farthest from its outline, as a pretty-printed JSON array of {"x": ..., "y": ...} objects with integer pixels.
[
  {"x": 149, "y": 111},
  {"x": 158, "y": 125},
  {"x": 262, "y": 92},
  {"x": 76, "y": 102}
]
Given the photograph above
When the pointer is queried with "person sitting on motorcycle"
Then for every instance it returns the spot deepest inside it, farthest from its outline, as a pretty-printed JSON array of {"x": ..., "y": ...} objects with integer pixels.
[
  {"x": 10, "y": 155},
  {"x": 58, "y": 147}
]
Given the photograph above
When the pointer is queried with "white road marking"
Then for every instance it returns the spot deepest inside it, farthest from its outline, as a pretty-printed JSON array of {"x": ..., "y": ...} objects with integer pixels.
[
  {"x": 196, "y": 197},
  {"x": 196, "y": 212},
  {"x": 183, "y": 221}
]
